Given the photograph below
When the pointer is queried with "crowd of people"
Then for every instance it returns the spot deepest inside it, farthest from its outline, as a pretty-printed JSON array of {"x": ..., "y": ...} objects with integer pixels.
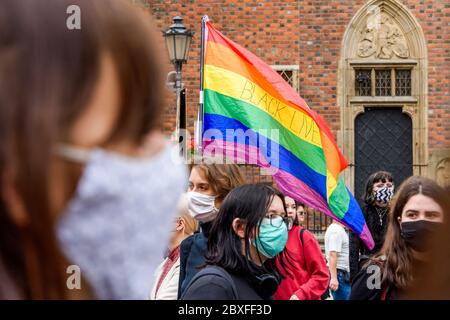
[
  {"x": 256, "y": 247},
  {"x": 87, "y": 179}
]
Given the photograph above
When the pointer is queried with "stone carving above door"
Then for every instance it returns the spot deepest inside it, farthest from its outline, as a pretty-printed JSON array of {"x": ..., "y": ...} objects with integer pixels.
[
  {"x": 383, "y": 34},
  {"x": 382, "y": 38}
]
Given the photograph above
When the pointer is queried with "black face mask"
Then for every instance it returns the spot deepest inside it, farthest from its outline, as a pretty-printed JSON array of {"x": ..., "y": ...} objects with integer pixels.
[{"x": 418, "y": 233}]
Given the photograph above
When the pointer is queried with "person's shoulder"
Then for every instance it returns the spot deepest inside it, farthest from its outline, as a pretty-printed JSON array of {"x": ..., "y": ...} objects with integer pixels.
[
  {"x": 332, "y": 228},
  {"x": 199, "y": 236},
  {"x": 333, "y": 234},
  {"x": 295, "y": 229},
  {"x": 187, "y": 242},
  {"x": 298, "y": 231},
  {"x": 210, "y": 274},
  {"x": 308, "y": 236},
  {"x": 341, "y": 230},
  {"x": 200, "y": 241},
  {"x": 373, "y": 266},
  {"x": 196, "y": 237},
  {"x": 208, "y": 283},
  {"x": 366, "y": 284}
]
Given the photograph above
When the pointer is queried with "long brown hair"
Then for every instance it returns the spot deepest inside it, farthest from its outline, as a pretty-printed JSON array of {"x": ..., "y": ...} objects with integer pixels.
[
  {"x": 434, "y": 280},
  {"x": 398, "y": 266},
  {"x": 47, "y": 76}
]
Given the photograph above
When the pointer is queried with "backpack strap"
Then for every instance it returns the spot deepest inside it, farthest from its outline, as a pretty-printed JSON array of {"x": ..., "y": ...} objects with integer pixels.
[
  {"x": 216, "y": 271},
  {"x": 302, "y": 231}
]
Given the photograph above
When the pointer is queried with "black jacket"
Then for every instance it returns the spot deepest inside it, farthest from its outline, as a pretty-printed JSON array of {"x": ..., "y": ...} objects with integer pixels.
[
  {"x": 368, "y": 285},
  {"x": 378, "y": 231},
  {"x": 220, "y": 286},
  {"x": 362, "y": 291},
  {"x": 192, "y": 256}
]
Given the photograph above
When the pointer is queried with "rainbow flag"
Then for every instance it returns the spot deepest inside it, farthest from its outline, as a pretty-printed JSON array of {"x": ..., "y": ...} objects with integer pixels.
[{"x": 241, "y": 93}]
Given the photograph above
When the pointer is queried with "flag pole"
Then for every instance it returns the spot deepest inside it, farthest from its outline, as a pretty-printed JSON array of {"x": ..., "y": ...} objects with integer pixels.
[{"x": 200, "y": 116}]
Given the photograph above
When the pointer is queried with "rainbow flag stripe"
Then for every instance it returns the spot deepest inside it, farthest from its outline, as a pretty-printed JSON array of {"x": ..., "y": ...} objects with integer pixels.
[{"x": 243, "y": 92}]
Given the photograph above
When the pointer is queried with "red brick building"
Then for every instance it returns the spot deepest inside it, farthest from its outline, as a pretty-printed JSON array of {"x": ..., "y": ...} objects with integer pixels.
[{"x": 377, "y": 71}]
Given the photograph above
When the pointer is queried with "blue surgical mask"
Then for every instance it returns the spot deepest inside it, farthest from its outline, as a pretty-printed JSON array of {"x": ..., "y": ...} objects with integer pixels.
[
  {"x": 117, "y": 225},
  {"x": 272, "y": 237}
]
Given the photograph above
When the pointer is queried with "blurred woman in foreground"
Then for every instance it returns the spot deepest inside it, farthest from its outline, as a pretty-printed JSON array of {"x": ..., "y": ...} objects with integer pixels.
[{"x": 86, "y": 176}]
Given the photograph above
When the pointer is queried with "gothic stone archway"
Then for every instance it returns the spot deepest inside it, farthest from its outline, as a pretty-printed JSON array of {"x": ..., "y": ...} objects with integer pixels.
[{"x": 383, "y": 64}]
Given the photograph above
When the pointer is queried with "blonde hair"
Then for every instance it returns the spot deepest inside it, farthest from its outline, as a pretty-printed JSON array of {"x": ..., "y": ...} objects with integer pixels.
[{"x": 191, "y": 225}]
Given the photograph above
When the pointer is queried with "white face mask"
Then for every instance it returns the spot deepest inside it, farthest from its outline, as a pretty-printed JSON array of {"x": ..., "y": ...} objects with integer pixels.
[
  {"x": 117, "y": 225},
  {"x": 201, "y": 206}
]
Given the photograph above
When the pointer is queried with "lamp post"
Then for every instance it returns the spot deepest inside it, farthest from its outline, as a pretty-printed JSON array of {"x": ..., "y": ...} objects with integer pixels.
[{"x": 178, "y": 40}]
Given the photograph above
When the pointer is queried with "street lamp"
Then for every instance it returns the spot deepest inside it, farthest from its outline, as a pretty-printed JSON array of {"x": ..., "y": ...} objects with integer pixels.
[{"x": 178, "y": 40}]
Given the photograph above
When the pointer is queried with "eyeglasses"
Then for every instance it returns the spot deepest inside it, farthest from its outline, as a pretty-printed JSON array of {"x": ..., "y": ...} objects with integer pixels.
[{"x": 277, "y": 220}]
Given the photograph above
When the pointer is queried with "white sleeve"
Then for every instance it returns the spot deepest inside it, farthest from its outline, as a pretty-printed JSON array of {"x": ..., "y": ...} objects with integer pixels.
[{"x": 335, "y": 242}]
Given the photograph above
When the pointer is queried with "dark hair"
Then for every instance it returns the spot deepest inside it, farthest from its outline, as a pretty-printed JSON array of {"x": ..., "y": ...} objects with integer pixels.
[
  {"x": 299, "y": 204},
  {"x": 48, "y": 74},
  {"x": 383, "y": 176},
  {"x": 248, "y": 202},
  {"x": 398, "y": 267}
]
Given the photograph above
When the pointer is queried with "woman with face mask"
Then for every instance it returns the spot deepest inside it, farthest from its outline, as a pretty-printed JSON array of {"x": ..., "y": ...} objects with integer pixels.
[
  {"x": 379, "y": 191},
  {"x": 165, "y": 286},
  {"x": 434, "y": 281},
  {"x": 87, "y": 180},
  {"x": 417, "y": 215},
  {"x": 248, "y": 233},
  {"x": 305, "y": 273},
  {"x": 209, "y": 182}
]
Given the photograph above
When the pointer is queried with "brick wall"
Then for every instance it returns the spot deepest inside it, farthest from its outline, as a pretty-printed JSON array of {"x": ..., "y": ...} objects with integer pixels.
[{"x": 309, "y": 34}]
